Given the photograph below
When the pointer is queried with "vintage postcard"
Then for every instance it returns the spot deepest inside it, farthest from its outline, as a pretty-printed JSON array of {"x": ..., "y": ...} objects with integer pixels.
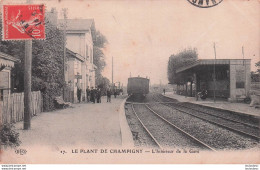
[{"x": 129, "y": 82}]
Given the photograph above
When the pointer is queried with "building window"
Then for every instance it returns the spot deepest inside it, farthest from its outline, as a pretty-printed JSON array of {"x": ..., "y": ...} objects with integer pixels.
[
  {"x": 91, "y": 56},
  {"x": 79, "y": 66},
  {"x": 240, "y": 78},
  {"x": 76, "y": 65},
  {"x": 240, "y": 85},
  {"x": 1, "y": 94},
  {"x": 66, "y": 67},
  {"x": 87, "y": 52}
]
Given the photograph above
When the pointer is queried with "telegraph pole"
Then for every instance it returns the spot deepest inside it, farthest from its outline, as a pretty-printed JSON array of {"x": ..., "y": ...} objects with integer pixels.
[
  {"x": 214, "y": 75},
  {"x": 244, "y": 64},
  {"x": 112, "y": 71},
  {"x": 243, "y": 55},
  {"x": 27, "y": 83}
]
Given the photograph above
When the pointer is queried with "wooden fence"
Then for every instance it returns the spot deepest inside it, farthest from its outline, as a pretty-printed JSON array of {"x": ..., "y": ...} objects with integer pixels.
[{"x": 12, "y": 106}]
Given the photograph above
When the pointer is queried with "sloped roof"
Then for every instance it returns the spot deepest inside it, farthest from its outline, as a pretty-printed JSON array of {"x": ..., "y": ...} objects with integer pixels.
[
  {"x": 75, "y": 55},
  {"x": 8, "y": 57},
  {"x": 202, "y": 62},
  {"x": 77, "y": 24},
  {"x": 7, "y": 60}
]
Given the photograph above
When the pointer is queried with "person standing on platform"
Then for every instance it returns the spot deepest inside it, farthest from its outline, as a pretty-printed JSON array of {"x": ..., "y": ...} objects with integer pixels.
[
  {"x": 92, "y": 95},
  {"x": 88, "y": 94},
  {"x": 164, "y": 91},
  {"x": 98, "y": 95},
  {"x": 109, "y": 95},
  {"x": 115, "y": 93},
  {"x": 79, "y": 93}
]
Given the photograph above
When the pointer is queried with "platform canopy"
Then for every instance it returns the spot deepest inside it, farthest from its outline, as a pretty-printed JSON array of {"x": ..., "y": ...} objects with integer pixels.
[
  {"x": 199, "y": 64},
  {"x": 7, "y": 60},
  {"x": 230, "y": 79},
  {"x": 206, "y": 64}
]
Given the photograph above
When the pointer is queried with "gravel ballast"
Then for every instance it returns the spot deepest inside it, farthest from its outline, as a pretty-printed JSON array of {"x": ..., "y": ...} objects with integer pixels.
[
  {"x": 215, "y": 136},
  {"x": 140, "y": 136},
  {"x": 165, "y": 134}
]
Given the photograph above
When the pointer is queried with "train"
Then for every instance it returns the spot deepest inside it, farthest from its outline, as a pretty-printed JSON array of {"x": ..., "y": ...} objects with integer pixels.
[{"x": 138, "y": 86}]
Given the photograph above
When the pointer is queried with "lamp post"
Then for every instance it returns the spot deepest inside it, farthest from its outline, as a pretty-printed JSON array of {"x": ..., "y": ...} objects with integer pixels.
[
  {"x": 214, "y": 75},
  {"x": 112, "y": 71}
]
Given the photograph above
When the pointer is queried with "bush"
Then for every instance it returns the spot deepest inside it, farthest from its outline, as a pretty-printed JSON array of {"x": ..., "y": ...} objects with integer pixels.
[{"x": 9, "y": 137}]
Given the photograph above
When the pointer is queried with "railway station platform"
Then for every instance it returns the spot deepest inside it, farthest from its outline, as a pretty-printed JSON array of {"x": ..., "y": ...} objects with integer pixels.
[
  {"x": 219, "y": 104},
  {"x": 57, "y": 136}
]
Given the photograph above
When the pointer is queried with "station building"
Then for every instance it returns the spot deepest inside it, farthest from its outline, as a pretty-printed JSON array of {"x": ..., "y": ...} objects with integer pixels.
[
  {"x": 233, "y": 80},
  {"x": 80, "y": 67}
]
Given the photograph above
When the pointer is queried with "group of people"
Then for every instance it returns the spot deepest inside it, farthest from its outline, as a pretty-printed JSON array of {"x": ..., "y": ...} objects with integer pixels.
[{"x": 93, "y": 95}]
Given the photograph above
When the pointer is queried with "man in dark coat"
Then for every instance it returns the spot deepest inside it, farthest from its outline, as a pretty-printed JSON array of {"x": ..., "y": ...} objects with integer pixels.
[
  {"x": 115, "y": 93},
  {"x": 98, "y": 95},
  {"x": 88, "y": 94},
  {"x": 92, "y": 95},
  {"x": 79, "y": 94},
  {"x": 109, "y": 95}
]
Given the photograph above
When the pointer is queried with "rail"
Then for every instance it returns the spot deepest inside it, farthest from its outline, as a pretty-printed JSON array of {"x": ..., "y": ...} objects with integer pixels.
[
  {"x": 150, "y": 134},
  {"x": 181, "y": 130},
  {"x": 218, "y": 124},
  {"x": 213, "y": 122}
]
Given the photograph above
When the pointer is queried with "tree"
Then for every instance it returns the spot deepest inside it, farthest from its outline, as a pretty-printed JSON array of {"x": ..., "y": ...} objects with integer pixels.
[
  {"x": 185, "y": 57},
  {"x": 100, "y": 42},
  {"x": 104, "y": 84},
  {"x": 255, "y": 76},
  {"x": 258, "y": 67}
]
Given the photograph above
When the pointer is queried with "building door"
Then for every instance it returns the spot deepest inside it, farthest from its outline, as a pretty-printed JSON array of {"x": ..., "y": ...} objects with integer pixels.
[{"x": 87, "y": 81}]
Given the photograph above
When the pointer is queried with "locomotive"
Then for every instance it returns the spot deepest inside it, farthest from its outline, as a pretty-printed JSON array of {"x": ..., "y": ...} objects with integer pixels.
[{"x": 138, "y": 86}]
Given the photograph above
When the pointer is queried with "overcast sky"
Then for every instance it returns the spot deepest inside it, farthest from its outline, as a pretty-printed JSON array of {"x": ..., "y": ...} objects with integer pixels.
[{"x": 143, "y": 34}]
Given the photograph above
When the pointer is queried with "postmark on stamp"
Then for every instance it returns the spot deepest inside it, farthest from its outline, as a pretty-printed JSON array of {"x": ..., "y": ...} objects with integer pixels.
[
  {"x": 205, "y": 3},
  {"x": 23, "y": 22}
]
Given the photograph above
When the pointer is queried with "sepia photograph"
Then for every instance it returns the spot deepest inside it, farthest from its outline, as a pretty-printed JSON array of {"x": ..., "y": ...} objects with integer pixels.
[{"x": 129, "y": 82}]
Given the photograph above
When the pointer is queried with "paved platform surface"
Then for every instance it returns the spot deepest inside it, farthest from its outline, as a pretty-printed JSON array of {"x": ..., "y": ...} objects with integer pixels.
[
  {"x": 87, "y": 125},
  {"x": 235, "y": 107}
]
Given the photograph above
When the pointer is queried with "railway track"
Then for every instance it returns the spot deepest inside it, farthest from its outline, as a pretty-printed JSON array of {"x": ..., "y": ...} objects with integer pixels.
[
  {"x": 222, "y": 116},
  {"x": 175, "y": 135},
  {"x": 242, "y": 119},
  {"x": 146, "y": 129},
  {"x": 242, "y": 128}
]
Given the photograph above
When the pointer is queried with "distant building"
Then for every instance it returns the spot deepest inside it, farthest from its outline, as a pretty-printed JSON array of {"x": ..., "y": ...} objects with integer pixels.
[
  {"x": 233, "y": 78},
  {"x": 6, "y": 64},
  {"x": 79, "y": 35}
]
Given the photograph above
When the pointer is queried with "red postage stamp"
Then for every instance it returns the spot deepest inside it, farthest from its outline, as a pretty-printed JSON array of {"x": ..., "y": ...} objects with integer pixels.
[{"x": 23, "y": 22}]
